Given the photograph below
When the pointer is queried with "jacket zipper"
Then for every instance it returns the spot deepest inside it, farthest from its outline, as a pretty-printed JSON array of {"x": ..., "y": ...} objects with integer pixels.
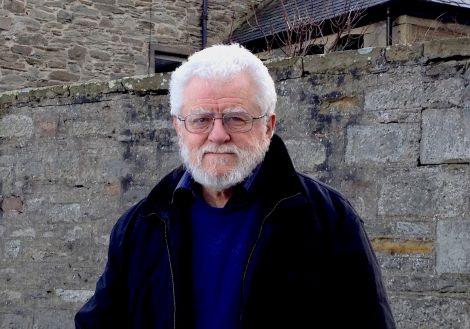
[
  {"x": 171, "y": 270},
  {"x": 256, "y": 243}
]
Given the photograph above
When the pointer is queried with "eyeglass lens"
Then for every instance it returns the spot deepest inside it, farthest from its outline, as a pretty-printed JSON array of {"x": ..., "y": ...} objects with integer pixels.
[{"x": 233, "y": 122}]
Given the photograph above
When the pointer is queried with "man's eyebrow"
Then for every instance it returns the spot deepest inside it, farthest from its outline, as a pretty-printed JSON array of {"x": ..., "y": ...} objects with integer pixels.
[
  {"x": 199, "y": 110},
  {"x": 235, "y": 110}
]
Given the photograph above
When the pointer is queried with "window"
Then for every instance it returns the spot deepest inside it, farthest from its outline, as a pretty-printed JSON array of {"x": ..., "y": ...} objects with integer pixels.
[
  {"x": 351, "y": 41},
  {"x": 167, "y": 62}
]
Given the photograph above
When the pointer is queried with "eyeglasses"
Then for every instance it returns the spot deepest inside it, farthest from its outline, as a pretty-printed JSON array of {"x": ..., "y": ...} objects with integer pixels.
[{"x": 234, "y": 122}]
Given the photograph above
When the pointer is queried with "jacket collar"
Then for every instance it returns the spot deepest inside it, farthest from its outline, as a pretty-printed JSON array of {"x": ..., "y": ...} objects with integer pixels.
[{"x": 277, "y": 178}]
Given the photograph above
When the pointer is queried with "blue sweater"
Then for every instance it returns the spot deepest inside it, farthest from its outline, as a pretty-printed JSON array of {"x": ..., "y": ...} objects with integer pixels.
[{"x": 222, "y": 241}]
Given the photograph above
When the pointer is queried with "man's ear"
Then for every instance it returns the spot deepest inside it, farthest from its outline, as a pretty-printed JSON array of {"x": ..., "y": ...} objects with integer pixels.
[
  {"x": 270, "y": 125},
  {"x": 176, "y": 124}
]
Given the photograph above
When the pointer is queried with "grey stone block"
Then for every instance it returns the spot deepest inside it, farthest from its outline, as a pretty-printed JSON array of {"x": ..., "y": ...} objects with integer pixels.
[
  {"x": 425, "y": 193},
  {"x": 414, "y": 230},
  {"x": 356, "y": 61},
  {"x": 15, "y": 320},
  {"x": 453, "y": 249},
  {"x": 445, "y": 136},
  {"x": 404, "y": 53},
  {"x": 410, "y": 91},
  {"x": 399, "y": 263},
  {"x": 54, "y": 319},
  {"x": 447, "y": 48},
  {"x": 14, "y": 125},
  {"x": 306, "y": 154},
  {"x": 281, "y": 69},
  {"x": 419, "y": 282},
  {"x": 382, "y": 143},
  {"x": 429, "y": 312}
]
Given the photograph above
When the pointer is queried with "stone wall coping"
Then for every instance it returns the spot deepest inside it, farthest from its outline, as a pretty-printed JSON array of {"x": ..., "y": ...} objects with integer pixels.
[
  {"x": 154, "y": 83},
  {"x": 372, "y": 60}
]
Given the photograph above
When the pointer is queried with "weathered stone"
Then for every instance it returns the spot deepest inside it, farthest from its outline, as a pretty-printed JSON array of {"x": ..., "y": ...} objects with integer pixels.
[
  {"x": 74, "y": 296},
  {"x": 447, "y": 48},
  {"x": 400, "y": 92},
  {"x": 109, "y": 8},
  {"x": 65, "y": 213},
  {"x": 53, "y": 319},
  {"x": 169, "y": 30},
  {"x": 402, "y": 247},
  {"x": 404, "y": 263},
  {"x": 63, "y": 76},
  {"x": 12, "y": 203},
  {"x": 453, "y": 249},
  {"x": 340, "y": 105},
  {"x": 29, "y": 24},
  {"x": 32, "y": 39},
  {"x": 15, "y": 320},
  {"x": 80, "y": 10},
  {"x": 14, "y": 6},
  {"x": 285, "y": 68},
  {"x": 64, "y": 16},
  {"x": 16, "y": 126},
  {"x": 106, "y": 22},
  {"x": 445, "y": 136},
  {"x": 98, "y": 54},
  {"x": 77, "y": 53},
  {"x": 306, "y": 161},
  {"x": 5, "y": 23},
  {"x": 109, "y": 2},
  {"x": 12, "y": 249},
  {"x": 404, "y": 53},
  {"x": 384, "y": 143},
  {"x": 414, "y": 230},
  {"x": 22, "y": 50},
  {"x": 425, "y": 192},
  {"x": 47, "y": 124},
  {"x": 344, "y": 61},
  {"x": 86, "y": 23},
  {"x": 430, "y": 312},
  {"x": 41, "y": 15},
  {"x": 57, "y": 64},
  {"x": 133, "y": 42},
  {"x": 146, "y": 83}
]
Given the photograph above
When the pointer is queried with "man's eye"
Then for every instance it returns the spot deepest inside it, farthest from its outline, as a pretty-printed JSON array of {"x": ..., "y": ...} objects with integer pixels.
[
  {"x": 236, "y": 119},
  {"x": 200, "y": 120}
]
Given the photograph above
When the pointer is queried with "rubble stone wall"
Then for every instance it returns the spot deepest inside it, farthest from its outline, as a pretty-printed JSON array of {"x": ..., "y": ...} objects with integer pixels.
[
  {"x": 46, "y": 43},
  {"x": 388, "y": 127}
]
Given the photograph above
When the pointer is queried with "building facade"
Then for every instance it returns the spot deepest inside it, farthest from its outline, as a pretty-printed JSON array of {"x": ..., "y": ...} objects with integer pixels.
[{"x": 56, "y": 42}]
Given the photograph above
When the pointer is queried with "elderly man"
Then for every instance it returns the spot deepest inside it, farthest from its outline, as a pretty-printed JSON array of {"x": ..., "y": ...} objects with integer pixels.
[{"x": 236, "y": 238}]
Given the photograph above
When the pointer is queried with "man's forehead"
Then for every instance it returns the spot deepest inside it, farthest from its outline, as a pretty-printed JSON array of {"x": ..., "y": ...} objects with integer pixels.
[
  {"x": 215, "y": 104},
  {"x": 239, "y": 80}
]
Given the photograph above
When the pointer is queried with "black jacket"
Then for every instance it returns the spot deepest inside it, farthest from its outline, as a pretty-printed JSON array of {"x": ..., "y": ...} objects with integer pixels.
[{"x": 312, "y": 265}]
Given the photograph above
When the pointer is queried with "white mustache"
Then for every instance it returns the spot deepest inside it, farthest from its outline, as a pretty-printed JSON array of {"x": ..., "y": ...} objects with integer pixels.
[{"x": 218, "y": 149}]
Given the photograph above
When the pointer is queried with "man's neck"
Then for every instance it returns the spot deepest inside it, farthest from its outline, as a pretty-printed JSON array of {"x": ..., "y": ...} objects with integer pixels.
[{"x": 217, "y": 199}]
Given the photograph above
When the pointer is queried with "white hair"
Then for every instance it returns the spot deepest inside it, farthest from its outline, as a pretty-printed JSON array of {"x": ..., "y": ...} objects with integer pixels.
[{"x": 223, "y": 62}]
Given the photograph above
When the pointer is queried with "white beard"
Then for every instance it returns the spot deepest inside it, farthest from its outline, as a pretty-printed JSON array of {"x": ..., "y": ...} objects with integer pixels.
[{"x": 248, "y": 159}]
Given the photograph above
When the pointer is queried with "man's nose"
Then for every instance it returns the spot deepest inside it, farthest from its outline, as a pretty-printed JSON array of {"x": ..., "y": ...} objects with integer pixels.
[{"x": 218, "y": 134}]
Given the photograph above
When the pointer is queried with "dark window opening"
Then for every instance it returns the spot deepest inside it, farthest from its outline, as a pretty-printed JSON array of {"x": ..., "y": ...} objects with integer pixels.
[
  {"x": 167, "y": 62},
  {"x": 315, "y": 49},
  {"x": 351, "y": 41}
]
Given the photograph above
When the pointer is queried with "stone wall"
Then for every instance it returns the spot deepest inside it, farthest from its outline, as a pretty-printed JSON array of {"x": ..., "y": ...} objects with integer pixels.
[
  {"x": 388, "y": 127},
  {"x": 56, "y": 42}
]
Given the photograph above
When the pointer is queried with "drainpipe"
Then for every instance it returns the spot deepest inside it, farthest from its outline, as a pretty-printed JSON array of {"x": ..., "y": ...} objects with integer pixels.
[
  {"x": 204, "y": 23},
  {"x": 389, "y": 28}
]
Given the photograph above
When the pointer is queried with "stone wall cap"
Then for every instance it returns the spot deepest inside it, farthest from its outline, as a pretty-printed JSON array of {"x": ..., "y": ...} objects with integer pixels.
[
  {"x": 371, "y": 59},
  {"x": 155, "y": 83}
]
